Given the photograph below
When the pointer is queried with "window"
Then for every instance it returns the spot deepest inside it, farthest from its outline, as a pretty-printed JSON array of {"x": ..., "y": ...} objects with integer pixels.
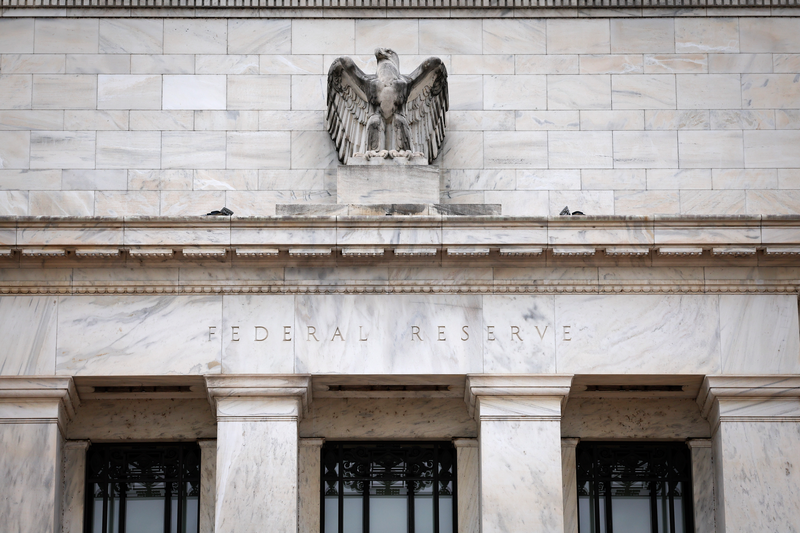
[
  {"x": 634, "y": 488},
  {"x": 388, "y": 487},
  {"x": 142, "y": 488}
]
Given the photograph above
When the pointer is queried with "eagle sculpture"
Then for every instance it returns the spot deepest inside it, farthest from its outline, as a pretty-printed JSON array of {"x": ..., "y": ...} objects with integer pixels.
[{"x": 387, "y": 114}]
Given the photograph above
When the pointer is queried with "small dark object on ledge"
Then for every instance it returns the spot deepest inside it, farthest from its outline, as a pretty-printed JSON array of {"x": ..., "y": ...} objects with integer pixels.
[
  {"x": 225, "y": 212},
  {"x": 565, "y": 211}
]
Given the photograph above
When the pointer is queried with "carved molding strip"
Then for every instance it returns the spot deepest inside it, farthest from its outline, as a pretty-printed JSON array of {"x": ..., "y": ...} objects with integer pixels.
[
  {"x": 397, "y": 4},
  {"x": 400, "y": 287}
]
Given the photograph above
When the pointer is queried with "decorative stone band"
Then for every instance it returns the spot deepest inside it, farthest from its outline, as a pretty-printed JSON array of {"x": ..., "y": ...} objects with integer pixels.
[
  {"x": 749, "y": 399},
  {"x": 486, "y": 241},
  {"x": 276, "y": 398},
  {"x": 398, "y": 4},
  {"x": 189, "y": 238},
  {"x": 517, "y": 397},
  {"x": 40, "y": 400}
]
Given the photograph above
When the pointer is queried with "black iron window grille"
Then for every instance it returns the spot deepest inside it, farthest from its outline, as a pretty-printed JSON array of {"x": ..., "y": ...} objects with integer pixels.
[
  {"x": 142, "y": 488},
  {"x": 634, "y": 488},
  {"x": 388, "y": 487}
]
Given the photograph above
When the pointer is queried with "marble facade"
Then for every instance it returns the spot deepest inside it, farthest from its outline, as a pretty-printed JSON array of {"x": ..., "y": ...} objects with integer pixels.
[{"x": 329, "y": 309}]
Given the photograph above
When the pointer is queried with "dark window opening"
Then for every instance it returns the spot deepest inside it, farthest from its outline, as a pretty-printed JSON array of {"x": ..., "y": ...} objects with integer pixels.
[
  {"x": 634, "y": 488},
  {"x": 388, "y": 487},
  {"x": 142, "y": 488}
]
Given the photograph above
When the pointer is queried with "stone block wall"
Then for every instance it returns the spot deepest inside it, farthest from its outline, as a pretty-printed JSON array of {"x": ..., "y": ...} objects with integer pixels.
[{"x": 178, "y": 116}]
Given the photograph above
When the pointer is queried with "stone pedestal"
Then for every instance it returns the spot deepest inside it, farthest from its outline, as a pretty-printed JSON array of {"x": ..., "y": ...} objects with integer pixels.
[
  {"x": 387, "y": 184},
  {"x": 33, "y": 416},
  {"x": 755, "y": 425},
  {"x": 519, "y": 421},
  {"x": 257, "y": 449}
]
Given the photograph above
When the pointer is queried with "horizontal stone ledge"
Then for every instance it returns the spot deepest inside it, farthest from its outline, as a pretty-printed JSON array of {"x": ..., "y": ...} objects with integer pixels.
[
  {"x": 393, "y": 5},
  {"x": 397, "y": 237}
]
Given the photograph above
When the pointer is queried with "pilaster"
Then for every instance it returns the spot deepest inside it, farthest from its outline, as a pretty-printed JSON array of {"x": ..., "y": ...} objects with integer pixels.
[
  {"x": 569, "y": 477},
  {"x": 755, "y": 423},
  {"x": 33, "y": 417},
  {"x": 257, "y": 451},
  {"x": 703, "y": 491},
  {"x": 520, "y": 450},
  {"x": 74, "y": 486},
  {"x": 208, "y": 484},
  {"x": 468, "y": 468},
  {"x": 309, "y": 483}
]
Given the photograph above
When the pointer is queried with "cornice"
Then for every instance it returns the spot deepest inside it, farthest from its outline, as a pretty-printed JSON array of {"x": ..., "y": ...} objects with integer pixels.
[
  {"x": 454, "y": 241},
  {"x": 299, "y": 6},
  {"x": 401, "y": 235}
]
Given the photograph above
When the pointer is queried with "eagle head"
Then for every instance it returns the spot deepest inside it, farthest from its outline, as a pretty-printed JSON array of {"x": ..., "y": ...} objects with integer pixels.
[{"x": 387, "y": 53}]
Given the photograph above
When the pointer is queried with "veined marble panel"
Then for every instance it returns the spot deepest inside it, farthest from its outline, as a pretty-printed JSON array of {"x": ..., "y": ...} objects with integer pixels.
[
  {"x": 309, "y": 463},
  {"x": 638, "y": 333},
  {"x": 639, "y": 418},
  {"x": 388, "y": 418},
  {"x": 398, "y": 334},
  {"x": 208, "y": 484},
  {"x": 30, "y": 467},
  {"x": 256, "y": 477},
  {"x": 74, "y": 484},
  {"x": 252, "y": 334},
  {"x": 519, "y": 334},
  {"x": 135, "y": 335},
  {"x": 760, "y": 482},
  {"x": 759, "y": 334},
  {"x": 137, "y": 419},
  {"x": 521, "y": 477},
  {"x": 468, "y": 468},
  {"x": 28, "y": 330}
]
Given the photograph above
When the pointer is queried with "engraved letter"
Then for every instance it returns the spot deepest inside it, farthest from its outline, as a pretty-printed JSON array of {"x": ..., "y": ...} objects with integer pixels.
[
  {"x": 361, "y": 335},
  {"x": 415, "y": 331},
  {"x": 266, "y": 333},
  {"x": 235, "y": 333},
  {"x": 541, "y": 333},
  {"x": 566, "y": 333},
  {"x": 515, "y": 331},
  {"x": 490, "y": 333},
  {"x": 337, "y": 333},
  {"x": 466, "y": 333},
  {"x": 211, "y": 331},
  {"x": 311, "y": 333},
  {"x": 287, "y": 333},
  {"x": 441, "y": 334}
]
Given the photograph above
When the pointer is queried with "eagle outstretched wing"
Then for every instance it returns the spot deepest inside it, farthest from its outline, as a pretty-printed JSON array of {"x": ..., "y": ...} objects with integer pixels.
[
  {"x": 426, "y": 105},
  {"x": 348, "y": 107}
]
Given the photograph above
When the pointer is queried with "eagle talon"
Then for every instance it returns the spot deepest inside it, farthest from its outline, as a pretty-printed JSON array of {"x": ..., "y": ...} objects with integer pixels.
[{"x": 400, "y": 153}]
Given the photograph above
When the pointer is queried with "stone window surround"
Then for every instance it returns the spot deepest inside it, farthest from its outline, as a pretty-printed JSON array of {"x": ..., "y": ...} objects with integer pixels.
[{"x": 716, "y": 393}]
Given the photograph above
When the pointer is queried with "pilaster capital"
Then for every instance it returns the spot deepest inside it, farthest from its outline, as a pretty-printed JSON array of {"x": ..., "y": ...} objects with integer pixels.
[
  {"x": 569, "y": 442},
  {"x": 38, "y": 400},
  {"x": 465, "y": 443},
  {"x": 749, "y": 399},
  {"x": 284, "y": 397},
  {"x": 528, "y": 392},
  {"x": 698, "y": 443}
]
